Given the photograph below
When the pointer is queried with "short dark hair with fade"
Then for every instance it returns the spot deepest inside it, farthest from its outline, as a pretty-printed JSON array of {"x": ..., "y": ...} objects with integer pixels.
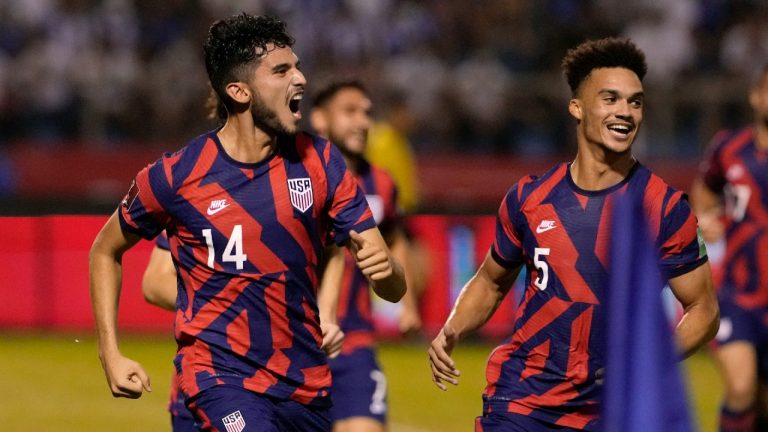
[
  {"x": 327, "y": 92},
  {"x": 611, "y": 52},
  {"x": 234, "y": 46}
]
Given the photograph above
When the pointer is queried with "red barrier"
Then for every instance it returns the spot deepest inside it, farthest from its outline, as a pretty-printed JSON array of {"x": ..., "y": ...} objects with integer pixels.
[
  {"x": 456, "y": 246},
  {"x": 45, "y": 274}
]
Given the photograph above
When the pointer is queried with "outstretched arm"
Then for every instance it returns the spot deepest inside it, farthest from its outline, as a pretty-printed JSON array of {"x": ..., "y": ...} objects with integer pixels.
[
  {"x": 374, "y": 259},
  {"x": 159, "y": 282},
  {"x": 476, "y": 303},
  {"x": 126, "y": 378},
  {"x": 701, "y": 317},
  {"x": 409, "y": 321}
]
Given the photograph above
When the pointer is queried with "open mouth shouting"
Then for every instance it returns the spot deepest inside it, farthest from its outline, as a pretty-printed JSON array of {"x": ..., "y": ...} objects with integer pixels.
[{"x": 294, "y": 102}]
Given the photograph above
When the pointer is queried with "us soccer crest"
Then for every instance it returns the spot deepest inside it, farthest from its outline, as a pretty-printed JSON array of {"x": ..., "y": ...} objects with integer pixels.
[{"x": 301, "y": 193}]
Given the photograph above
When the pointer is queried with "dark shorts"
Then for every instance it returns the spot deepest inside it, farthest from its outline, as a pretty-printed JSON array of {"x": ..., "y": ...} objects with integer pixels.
[
  {"x": 512, "y": 422},
  {"x": 359, "y": 387},
  {"x": 747, "y": 325},
  {"x": 227, "y": 408},
  {"x": 182, "y": 419}
]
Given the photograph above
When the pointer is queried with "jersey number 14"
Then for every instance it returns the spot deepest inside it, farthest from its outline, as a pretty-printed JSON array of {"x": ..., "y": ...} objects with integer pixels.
[{"x": 233, "y": 252}]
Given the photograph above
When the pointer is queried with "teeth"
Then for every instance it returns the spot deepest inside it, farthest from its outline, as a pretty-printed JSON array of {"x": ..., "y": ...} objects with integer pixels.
[
  {"x": 619, "y": 128},
  {"x": 298, "y": 96}
]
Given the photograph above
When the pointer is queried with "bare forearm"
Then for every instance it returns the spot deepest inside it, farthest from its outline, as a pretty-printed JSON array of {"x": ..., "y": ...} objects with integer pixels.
[
  {"x": 392, "y": 287},
  {"x": 476, "y": 304},
  {"x": 159, "y": 284},
  {"x": 698, "y": 326},
  {"x": 160, "y": 290},
  {"x": 702, "y": 314},
  {"x": 399, "y": 247},
  {"x": 330, "y": 285},
  {"x": 105, "y": 278}
]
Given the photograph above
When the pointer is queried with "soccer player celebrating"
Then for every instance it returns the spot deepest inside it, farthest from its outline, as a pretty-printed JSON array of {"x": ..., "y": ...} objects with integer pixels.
[
  {"x": 733, "y": 183},
  {"x": 248, "y": 209},
  {"x": 548, "y": 374},
  {"x": 342, "y": 113}
]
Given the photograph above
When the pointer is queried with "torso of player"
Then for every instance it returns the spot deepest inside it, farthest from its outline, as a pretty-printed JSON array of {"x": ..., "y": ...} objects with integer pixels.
[
  {"x": 745, "y": 170},
  {"x": 246, "y": 239},
  {"x": 745, "y": 167},
  {"x": 255, "y": 220},
  {"x": 551, "y": 366}
]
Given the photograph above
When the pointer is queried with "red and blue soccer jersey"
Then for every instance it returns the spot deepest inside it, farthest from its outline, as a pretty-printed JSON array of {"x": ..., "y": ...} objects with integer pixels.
[
  {"x": 354, "y": 310},
  {"x": 551, "y": 366},
  {"x": 246, "y": 240},
  {"x": 738, "y": 169}
]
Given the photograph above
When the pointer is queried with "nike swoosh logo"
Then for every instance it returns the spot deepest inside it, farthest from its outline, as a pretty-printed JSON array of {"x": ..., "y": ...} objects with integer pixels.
[
  {"x": 540, "y": 230},
  {"x": 212, "y": 212}
]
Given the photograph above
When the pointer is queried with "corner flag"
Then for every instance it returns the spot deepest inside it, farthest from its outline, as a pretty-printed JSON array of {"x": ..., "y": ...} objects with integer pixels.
[{"x": 644, "y": 390}]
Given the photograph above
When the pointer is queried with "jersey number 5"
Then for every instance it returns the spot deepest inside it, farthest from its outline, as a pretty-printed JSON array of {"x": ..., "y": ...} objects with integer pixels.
[
  {"x": 234, "y": 250},
  {"x": 542, "y": 267}
]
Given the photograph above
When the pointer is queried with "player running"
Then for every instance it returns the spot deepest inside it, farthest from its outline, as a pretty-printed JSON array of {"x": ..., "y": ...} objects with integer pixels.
[
  {"x": 548, "y": 374},
  {"x": 248, "y": 209}
]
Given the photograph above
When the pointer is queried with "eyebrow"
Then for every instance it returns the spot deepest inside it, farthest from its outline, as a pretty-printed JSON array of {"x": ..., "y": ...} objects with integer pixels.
[
  {"x": 281, "y": 66},
  {"x": 617, "y": 93},
  {"x": 285, "y": 65}
]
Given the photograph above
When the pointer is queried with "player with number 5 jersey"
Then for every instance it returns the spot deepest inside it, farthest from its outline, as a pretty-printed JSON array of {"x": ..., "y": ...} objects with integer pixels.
[
  {"x": 548, "y": 374},
  {"x": 248, "y": 209}
]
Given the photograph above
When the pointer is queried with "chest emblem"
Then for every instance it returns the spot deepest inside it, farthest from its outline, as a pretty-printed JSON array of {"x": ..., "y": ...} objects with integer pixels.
[
  {"x": 301, "y": 193},
  {"x": 217, "y": 206},
  {"x": 545, "y": 225}
]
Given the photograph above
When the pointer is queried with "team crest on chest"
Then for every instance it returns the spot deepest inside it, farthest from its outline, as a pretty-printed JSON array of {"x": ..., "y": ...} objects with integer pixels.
[{"x": 300, "y": 190}]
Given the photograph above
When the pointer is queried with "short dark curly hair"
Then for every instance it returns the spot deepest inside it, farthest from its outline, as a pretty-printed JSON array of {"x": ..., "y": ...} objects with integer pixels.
[
  {"x": 610, "y": 52},
  {"x": 235, "y": 45},
  {"x": 327, "y": 92}
]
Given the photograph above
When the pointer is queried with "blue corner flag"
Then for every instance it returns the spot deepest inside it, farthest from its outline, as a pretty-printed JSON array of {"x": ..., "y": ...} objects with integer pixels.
[{"x": 644, "y": 389}]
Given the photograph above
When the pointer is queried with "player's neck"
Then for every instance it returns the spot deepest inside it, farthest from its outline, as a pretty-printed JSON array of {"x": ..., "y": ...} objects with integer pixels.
[
  {"x": 594, "y": 174},
  {"x": 244, "y": 142}
]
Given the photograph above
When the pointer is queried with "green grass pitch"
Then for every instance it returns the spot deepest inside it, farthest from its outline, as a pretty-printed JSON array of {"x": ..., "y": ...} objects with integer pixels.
[{"x": 55, "y": 382}]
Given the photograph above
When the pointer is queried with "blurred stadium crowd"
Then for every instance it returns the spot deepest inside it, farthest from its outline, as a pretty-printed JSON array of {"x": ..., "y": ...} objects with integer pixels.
[{"x": 474, "y": 76}]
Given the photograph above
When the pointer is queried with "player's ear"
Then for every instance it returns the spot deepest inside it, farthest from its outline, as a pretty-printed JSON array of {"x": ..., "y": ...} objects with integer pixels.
[
  {"x": 318, "y": 122},
  {"x": 574, "y": 107},
  {"x": 239, "y": 92}
]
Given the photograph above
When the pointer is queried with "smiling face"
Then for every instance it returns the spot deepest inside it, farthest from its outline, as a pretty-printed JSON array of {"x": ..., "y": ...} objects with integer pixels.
[
  {"x": 345, "y": 120},
  {"x": 609, "y": 108},
  {"x": 277, "y": 87}
]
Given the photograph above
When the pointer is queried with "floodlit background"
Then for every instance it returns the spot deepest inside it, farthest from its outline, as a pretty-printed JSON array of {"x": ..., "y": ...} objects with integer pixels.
[{"x": 93, "y": 90}]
